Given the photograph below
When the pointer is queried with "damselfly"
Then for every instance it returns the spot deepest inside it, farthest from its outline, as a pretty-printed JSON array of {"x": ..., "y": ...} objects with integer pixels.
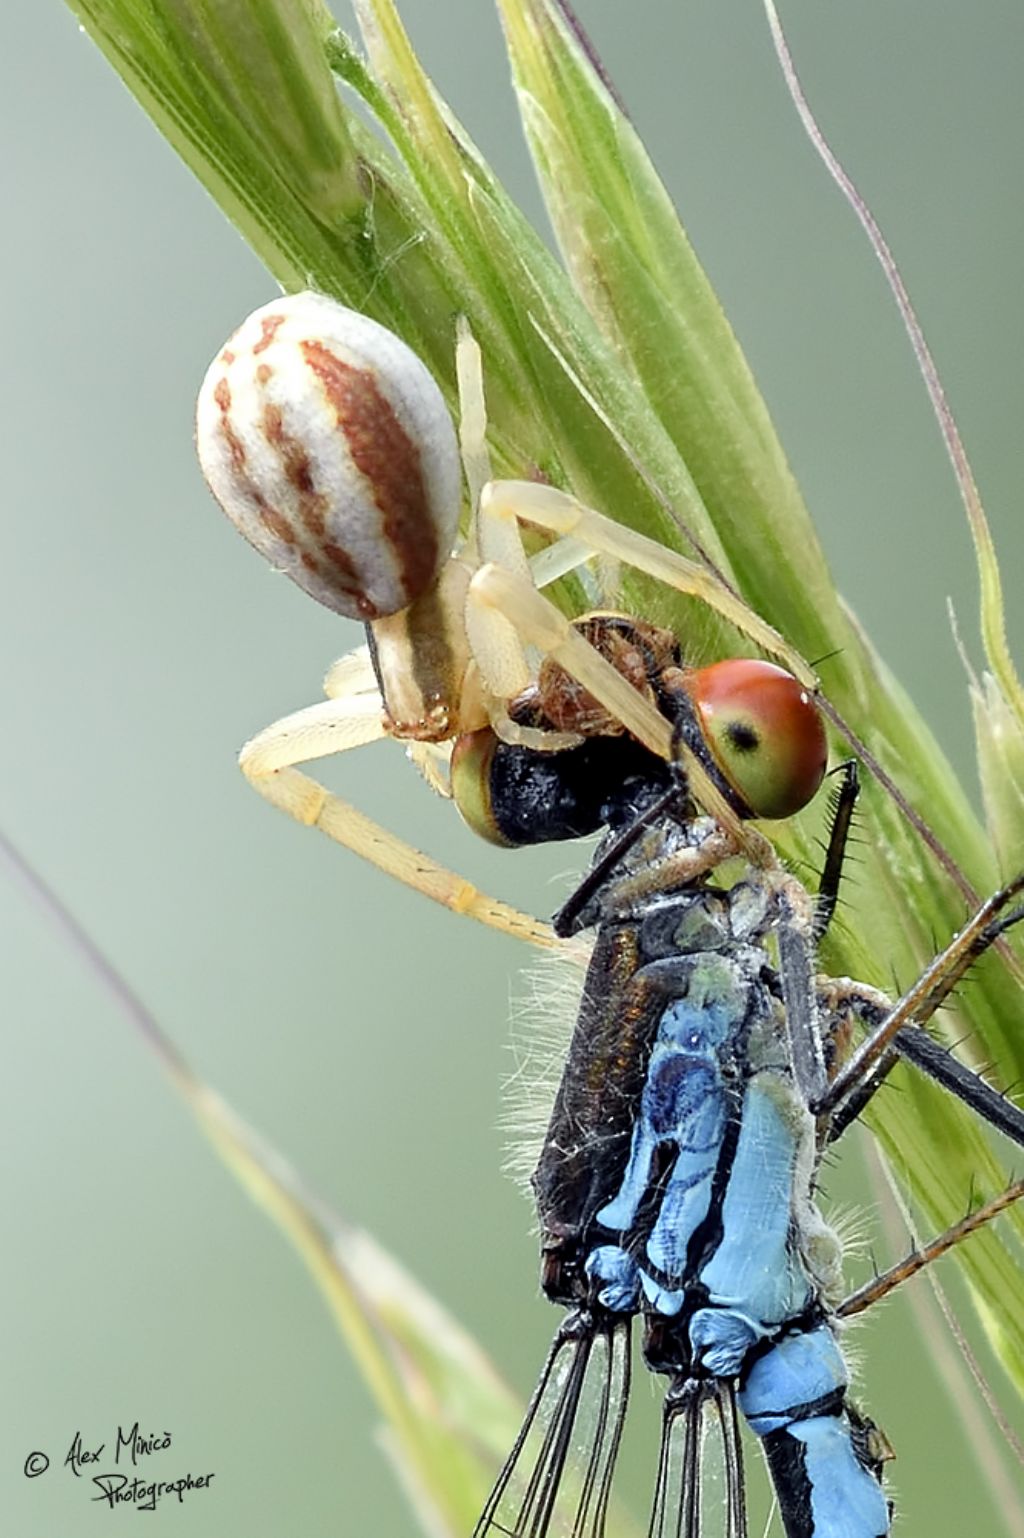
[{"x": 704, "y": 1083}]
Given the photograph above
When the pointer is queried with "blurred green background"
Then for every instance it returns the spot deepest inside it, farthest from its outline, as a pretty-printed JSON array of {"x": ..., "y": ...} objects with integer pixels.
[{"x": 360, "y": 1029}]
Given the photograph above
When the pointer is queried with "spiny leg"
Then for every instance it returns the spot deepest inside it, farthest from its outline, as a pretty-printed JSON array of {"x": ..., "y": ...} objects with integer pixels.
[
  {"x": 918, "y": 1258},
  {"x": 927, "y": 995},
  {"x": 795, "y": 933},
  {"x": 843, "y": 804},
  {"x": 678, "y": 869},
  {"x": 913, "y": 1044},
  {"x": 931, "y": 1057},
  {"x": 839, "y": 999},
  {"x": 797, "y": 937}
]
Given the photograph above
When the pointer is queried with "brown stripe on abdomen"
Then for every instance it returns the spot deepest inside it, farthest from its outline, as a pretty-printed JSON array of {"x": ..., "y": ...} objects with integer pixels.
[{"x": 388, "y": 460}]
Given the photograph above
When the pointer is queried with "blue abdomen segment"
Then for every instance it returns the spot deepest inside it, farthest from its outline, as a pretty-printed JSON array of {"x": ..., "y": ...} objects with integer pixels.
[
  {"x": 794, "y": 1398},
  {"x": 754, "y": 1278}
]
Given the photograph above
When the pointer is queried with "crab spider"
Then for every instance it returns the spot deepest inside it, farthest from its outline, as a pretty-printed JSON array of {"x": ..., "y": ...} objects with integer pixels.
[{"x": 328, "y": 444}]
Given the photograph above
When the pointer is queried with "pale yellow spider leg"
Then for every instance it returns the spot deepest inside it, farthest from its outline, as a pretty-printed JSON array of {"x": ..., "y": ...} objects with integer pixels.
[
  {"x": 562, "y": 514},
  {"x": 558, "y": 560},
  {"x": 433, "y": 760},
  {"x": 351, "y": 674},
  {"x": 491, "y": 538},
  {"x": 493, "y": 588},
  {"x": 268, "y": 763},
  {"x": 469, "y": 373},
  {"x": 331, "y": 726}
]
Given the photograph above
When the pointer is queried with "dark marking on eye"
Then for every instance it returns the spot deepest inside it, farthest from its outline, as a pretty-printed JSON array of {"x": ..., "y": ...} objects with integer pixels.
[{"x": 743, "y": 737}]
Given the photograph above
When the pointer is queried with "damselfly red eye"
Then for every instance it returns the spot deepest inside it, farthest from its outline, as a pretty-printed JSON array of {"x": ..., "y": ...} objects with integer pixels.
[{"x": 765, "y": 733}]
